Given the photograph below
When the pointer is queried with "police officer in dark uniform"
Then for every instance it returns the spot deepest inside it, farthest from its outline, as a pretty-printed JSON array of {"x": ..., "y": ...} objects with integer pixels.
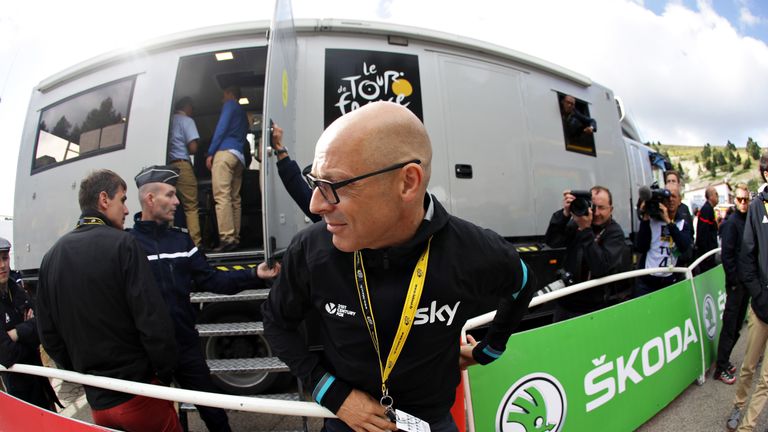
[
  {"x": 179, "y": 268},
  {"x": 19, "y": 342}
]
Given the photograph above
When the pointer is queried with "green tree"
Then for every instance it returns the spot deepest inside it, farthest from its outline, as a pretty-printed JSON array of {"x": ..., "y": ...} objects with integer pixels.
[
  {"x": 719, "y": 159},
  {"x": 753, "y": 149},
  {"x": 730, "y": 146},
  {"x": 747, "y": 163},
  {"x": 706, "y": 151},
  {"x": 696, "y": 158},
  {"x": 753, "y": 184},
  {"x": 738, "y": 158},
  {"x": 680, "y": 168}
]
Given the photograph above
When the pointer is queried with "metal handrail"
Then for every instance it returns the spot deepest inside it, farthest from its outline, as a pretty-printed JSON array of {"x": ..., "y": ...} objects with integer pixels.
[{"x": 217, "y": 400}]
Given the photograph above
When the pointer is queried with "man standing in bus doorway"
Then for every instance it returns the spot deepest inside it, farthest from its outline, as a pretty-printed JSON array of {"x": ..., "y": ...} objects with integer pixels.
[
  {"x": 99, "y": 311},
  {"x": 180, "y": 268},
  {"x": 737, "y": 299},
  {"x": 183, "y": 143},
  {"x": 753, "y": 265},
  {"x": 227, "y": 162},
  {"x": 706, "y": 229},
  {"x": 19, "y": 342},
  {"x": 388, "y": 245}
]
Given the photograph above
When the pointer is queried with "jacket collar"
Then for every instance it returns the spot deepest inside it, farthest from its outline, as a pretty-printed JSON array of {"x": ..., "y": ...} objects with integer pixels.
[
  {"x": 148, "y": 226},
  {"x": 435, "y": 218},
  {"x": 96, "y": 214}
]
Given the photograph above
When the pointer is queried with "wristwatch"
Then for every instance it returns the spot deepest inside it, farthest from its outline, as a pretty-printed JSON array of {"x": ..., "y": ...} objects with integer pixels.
[{"x": 281, "y": 151}]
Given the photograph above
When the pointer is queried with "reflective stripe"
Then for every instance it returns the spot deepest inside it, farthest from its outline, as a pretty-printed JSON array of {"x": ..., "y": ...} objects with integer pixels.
[
  {"x": 525, "y": 280},
  {"x": 173, "y": 255},
  {"x": 322, "y": 387},
  {"x": 490, "y": 352}
]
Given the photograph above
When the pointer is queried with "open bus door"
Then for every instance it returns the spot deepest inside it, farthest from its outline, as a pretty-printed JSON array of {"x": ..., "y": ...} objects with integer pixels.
[{"x": 280, "y": 212}]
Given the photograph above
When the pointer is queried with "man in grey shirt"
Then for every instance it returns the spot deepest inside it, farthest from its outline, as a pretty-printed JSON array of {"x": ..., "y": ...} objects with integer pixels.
[{"x": 183, "y": 142}]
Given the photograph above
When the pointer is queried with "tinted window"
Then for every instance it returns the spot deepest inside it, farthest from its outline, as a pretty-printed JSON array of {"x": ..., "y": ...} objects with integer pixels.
[{"x": 90, "y": 123}]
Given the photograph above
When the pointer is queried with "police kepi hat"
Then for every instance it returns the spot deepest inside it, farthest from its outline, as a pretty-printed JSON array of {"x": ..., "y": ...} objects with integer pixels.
[
  {"x": 157, "y": 174},
  {"x": 5, "y": 245}
]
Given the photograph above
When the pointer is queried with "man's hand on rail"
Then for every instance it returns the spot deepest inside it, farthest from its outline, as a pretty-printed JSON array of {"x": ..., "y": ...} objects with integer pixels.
[{"x": 465, "y": 353}]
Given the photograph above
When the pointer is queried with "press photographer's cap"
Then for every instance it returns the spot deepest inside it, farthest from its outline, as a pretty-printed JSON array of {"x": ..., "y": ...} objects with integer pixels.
[
  {"x": 5, "y": 245},
  {"x": 157, "y": 174}
]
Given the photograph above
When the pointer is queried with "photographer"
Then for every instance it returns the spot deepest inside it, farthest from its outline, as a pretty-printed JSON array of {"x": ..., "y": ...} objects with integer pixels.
[
  {"x": 593, "y": 242},
  {"x": 664, "y": 236}
]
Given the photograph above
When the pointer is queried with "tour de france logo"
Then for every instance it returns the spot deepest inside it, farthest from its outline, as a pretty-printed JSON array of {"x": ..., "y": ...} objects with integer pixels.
[
  {"x": 709, "y": 315},
  {"x": 535, "y": 403}
]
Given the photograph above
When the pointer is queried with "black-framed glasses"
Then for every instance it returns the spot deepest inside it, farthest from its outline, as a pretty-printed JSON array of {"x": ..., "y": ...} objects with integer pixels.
[{"x": 328, "y": 189}]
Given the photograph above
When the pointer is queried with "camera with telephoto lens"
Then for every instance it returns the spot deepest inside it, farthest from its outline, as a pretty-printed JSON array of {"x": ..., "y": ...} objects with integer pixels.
[
  {"x": 653, "y": 196},
  {"x": 582, "y": 203}
]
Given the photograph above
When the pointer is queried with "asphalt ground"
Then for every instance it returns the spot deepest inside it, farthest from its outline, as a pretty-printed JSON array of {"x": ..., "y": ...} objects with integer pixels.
[{"x": 701, "y": 408}]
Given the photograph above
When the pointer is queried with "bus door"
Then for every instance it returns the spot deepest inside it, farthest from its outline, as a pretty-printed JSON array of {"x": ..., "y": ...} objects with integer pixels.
[{"x": 281, "y": 220}]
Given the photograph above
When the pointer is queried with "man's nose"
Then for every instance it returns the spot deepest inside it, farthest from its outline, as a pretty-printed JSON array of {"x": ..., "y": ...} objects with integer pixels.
[{"x": 318, "y": 204}]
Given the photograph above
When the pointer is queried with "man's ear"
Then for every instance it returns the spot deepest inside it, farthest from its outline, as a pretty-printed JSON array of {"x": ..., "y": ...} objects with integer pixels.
[
  {"x": 413, "y": 177},
  {"x": 103, "y": 201}
]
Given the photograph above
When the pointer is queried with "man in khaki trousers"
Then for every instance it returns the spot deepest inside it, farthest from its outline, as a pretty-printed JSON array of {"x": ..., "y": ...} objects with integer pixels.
[
  {"x": 183, "y": 139},
  {"x": 227, "y": 162},
  {"x": 753, "y": 265}
]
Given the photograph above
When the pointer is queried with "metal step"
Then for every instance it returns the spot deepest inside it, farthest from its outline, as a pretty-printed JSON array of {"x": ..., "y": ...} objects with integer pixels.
[
  {"x": 230, "y": 329},
  {"x": 277, "y": 396},
  {"x": 246, "y": 365},
  {"x": 246, "y": 295}
]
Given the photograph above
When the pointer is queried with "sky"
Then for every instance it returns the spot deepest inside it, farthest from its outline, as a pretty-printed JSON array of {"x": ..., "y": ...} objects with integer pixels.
[{"x": 689, "y": 72}]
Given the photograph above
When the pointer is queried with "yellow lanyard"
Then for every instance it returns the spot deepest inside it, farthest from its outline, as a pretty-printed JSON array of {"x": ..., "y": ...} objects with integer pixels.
[{"x": 406, "y": 318}]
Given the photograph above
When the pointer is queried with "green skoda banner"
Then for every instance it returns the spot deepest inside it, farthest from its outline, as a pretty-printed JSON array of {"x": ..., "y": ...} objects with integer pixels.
[{"x": 610, "y": 370}]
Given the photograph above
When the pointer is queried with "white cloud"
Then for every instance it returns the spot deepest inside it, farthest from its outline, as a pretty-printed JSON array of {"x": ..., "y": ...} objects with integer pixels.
[
  {"x": 746, "y": 17},
  {"x": 688, "y": 76}
]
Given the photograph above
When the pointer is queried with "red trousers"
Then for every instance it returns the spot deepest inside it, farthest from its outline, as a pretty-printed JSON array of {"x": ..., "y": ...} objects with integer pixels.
[{"x": 140, "y": 414}]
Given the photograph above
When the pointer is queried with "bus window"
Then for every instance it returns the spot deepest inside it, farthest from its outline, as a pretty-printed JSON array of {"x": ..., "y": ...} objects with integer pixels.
[
  {"x": 578, "y": 127},
  {"x": 90, "y": 123}
]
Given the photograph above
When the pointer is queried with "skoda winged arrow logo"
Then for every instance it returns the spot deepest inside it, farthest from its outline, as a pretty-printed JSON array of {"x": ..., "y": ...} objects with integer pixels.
[
  {"x": 710, "y": 316},
  {"x": 535, "y": 403}
]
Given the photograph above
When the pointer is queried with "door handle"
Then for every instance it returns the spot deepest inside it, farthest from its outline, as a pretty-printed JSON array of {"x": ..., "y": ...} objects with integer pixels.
[{"x": 463, "y": 171}]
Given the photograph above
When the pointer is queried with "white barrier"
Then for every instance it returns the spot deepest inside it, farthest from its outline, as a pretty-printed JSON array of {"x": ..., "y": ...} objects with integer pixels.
[{"x": 554, "y": 295}]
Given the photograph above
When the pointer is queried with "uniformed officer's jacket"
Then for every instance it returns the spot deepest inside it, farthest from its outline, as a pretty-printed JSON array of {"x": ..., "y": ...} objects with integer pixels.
[{"x": 180, "y": 268}]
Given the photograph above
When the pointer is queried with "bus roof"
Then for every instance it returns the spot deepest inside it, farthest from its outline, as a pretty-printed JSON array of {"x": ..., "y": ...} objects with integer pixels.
[{"x": 252, "y": 28}]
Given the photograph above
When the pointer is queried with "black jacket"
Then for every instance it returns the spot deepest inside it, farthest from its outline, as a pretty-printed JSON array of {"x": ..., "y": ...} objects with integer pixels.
[
  {"x": 731, "y": 234},
  {"x": 590, "y": 254},
  {"x": 177, "y": 263},
  {"x": 753, "y": 257},
  {"x": 297, "y": 188},
  {"x": 471, "y": 271},
  {"x": 706, "y": 230},
  {"x": 99, "y": 310},
  {"x": 36, "y": 390}
]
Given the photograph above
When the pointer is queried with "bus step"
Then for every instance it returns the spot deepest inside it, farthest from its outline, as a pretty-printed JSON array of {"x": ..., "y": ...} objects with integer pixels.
[
  {"x": 230, "y": 329},
  {"x": 246, "y": 365},
  {"x": 246, "y": 295}
]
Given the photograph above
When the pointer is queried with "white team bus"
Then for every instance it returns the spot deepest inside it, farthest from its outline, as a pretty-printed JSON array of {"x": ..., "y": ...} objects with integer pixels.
[{"x": 501, "y": 159}]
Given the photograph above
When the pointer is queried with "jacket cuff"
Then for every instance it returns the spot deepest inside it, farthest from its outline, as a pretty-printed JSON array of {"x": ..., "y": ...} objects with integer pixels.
[
  {"x": 483, "y": 353},
  {"x": 331, "y": 392},
  {"x": 26, "y": 331}
]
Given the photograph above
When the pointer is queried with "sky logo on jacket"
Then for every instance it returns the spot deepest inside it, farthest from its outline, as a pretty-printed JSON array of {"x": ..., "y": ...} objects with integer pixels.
[{"x": 433, "y": 313}]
